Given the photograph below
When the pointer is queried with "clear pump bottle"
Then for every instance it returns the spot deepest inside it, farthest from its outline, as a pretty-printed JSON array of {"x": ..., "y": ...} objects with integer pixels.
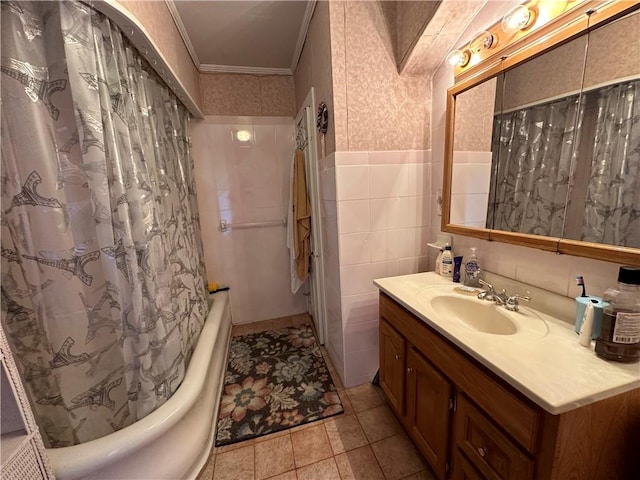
[
  {"x": 619, "y": 338},
  {"x": 472, "y": 270}
]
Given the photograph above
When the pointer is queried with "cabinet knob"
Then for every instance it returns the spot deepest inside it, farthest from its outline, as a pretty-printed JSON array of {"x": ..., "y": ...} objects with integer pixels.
[
  {"x": 397, "y": 357},
  {"x": 482, "y": 451},
  {"x": 409, "y": 369}
]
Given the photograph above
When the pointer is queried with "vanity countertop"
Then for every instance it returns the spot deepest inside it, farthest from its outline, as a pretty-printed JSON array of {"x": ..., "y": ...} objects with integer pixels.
[{"x": 551, "y": 369}]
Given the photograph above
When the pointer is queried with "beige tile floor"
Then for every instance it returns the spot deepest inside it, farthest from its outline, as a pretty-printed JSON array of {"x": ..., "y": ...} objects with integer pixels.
[{"x": 364, "y": 443}]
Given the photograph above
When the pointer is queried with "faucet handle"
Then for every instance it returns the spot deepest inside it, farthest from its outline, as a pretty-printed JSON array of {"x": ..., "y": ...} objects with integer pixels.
[
  {"x": 489, "y": 293},
  {"x": 512, "y": 301}
]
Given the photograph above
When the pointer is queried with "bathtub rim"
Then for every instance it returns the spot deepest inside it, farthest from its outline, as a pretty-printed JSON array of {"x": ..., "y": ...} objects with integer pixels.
[{"x": 99, "y": 453}]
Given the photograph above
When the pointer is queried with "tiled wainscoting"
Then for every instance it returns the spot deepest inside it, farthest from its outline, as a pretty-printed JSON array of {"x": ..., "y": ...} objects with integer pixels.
[{"x": 378, "y": 207}]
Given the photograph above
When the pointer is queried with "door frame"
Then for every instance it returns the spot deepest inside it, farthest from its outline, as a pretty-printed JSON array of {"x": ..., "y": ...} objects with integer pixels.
[{"x": 318, "y": 306}]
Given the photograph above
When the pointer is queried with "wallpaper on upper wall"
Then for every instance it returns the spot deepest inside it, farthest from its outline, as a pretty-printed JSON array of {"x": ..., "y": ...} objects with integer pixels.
[
  {"x": 385, "y": 111},
  {"x": 157, "y": 21},
  {"x": 247, "y": 95},
  {"x": 314, "y": 70}
]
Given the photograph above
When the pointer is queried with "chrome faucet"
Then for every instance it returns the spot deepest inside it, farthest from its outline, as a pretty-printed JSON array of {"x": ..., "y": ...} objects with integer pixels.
[
  {"x": 490, "y": 294},
  {"x": 510, "y": 302}
]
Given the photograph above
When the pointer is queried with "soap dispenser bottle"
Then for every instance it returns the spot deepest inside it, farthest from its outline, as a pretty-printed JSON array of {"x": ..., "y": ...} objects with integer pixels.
[{"x": 472, "y": 270}]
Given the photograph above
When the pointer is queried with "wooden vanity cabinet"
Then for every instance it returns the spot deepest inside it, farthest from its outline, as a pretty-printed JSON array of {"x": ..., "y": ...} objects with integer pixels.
[{"x": 470, "y": 424}]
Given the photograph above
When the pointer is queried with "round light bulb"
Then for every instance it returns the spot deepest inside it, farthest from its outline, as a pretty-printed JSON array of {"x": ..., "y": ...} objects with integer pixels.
[
  {"x": 516, "y": 19},
  {"x": 243, "y": 135},
  {"x": 457, "y": 58}
]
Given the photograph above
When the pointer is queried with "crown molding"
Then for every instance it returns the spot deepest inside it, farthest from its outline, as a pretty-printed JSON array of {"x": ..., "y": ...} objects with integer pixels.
[
  {"x": 177, "y": 19},
  {"x": 210, "y": 68},
  {"x": 302, "y": 34}
]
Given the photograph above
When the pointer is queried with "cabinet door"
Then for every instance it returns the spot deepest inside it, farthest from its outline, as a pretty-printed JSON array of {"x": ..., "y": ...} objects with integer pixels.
[
  {"x": 463, "y": 470},
  {"x": 429, "y": 395},
  {"x": 392, "y": 361},
  {"x": 495, "y": 455}
]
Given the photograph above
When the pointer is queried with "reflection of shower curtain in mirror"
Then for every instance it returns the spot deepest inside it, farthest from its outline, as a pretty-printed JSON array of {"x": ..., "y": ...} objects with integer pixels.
[
  {"x": 612, "y": 207},
  {"x": 533, "y": 148},
  {"x": 531, "y": 161},
  {"x": 103, "y": 293}
]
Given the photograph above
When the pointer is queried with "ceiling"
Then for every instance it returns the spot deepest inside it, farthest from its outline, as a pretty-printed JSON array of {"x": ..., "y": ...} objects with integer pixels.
[{"x": 264, "y": 37}]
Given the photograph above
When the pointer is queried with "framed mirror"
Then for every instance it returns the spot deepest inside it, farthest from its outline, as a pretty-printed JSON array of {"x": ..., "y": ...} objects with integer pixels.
[
  {"x": 604, "y": 203},
  {"x": 540, "y": 150}
]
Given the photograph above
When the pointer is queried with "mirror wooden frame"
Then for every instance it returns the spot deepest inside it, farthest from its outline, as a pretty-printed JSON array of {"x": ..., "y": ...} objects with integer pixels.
[{"x": 578, "y": 21}]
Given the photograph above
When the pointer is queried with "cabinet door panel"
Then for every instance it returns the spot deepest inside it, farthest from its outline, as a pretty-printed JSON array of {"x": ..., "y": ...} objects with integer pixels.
[
  {"x": 463, "y": 470},
  {"x": 492, "y": 452},
  {"x": 392, "y": 362},
  {"x": 428, "y": 411}
]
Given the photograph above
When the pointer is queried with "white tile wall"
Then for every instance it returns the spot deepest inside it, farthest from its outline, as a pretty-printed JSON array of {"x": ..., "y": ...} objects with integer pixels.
[
  {"x": 355, "y": 248},
  {"x": 470, "y": 209},
  {"x": 387, "y": 180},
  {"x": 353, "y": 216},
  {"x": 383, "y": 227},
  {"x": 352, "y": 182},
  {"x": 547, "y": 270},
  {"x": 359, "y": 308},
  {"x": 471, "y": 178},
  {"x": 247, "y": 183}
]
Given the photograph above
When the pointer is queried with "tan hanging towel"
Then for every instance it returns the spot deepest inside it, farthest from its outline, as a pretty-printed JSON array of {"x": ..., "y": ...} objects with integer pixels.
[{"x": 301, "y": 217}]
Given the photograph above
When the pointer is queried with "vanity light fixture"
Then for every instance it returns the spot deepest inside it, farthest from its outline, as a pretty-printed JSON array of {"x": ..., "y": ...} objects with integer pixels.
[
  {"x": 518, "y": 18},
  {"x": 458, "y": 58},
  {"x": 482, "y": 41}
]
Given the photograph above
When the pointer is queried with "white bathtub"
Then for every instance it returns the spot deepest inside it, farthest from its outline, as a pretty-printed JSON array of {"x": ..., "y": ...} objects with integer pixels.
[{"x": 174, "y": 441}]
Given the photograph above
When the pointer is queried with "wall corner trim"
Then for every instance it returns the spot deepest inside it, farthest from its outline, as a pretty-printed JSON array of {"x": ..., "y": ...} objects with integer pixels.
[{"x": 177, "y": 19}]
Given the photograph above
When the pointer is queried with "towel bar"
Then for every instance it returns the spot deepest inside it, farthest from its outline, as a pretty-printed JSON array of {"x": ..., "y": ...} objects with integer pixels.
[{"x": 224, "y": 226}]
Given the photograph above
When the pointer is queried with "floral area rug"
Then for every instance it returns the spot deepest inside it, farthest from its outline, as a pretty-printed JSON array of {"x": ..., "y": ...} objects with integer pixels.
[{"x": 275, "y": 380}]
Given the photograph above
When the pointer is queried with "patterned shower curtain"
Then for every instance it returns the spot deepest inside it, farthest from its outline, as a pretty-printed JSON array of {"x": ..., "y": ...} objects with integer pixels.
[
  {"x": 531, "y": 161},
  {"x": 103, "y": 282},
  {"x": 612, "y": 209}
]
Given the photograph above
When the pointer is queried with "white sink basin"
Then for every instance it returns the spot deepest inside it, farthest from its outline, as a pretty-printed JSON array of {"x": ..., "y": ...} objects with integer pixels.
[
  {"x": 484, "y": 317},
  {"x": 442, "y": 304}
]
